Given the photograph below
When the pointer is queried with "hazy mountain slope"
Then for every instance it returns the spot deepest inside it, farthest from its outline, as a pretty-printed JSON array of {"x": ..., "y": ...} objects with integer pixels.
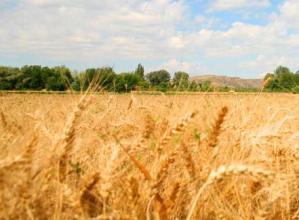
[{"x": 235, "y": 82}]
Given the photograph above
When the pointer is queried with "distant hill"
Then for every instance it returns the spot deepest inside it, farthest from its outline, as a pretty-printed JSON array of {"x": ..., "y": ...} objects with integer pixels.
[{"x": 234, "y": 82}]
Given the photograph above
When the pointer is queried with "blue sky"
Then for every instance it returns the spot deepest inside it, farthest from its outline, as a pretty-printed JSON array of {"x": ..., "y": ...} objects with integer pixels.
[{"x": 245, "y": 38}]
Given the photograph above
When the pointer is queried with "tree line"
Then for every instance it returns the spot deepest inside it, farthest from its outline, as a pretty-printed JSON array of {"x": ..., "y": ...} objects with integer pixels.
[
  {"x": 282, "y": 80},
  {"x": 61, "y": 78},
  {"x": 35, "y": 78}
]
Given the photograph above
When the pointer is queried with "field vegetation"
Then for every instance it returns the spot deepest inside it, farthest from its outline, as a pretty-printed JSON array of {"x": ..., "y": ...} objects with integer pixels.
[
  {"x": 61, "y": 78},
  {"x": 108, "y": 156}
]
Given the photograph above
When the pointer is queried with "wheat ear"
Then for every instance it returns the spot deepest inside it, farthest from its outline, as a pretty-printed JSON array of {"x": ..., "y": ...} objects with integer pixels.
[
  {"x": 177, "y": 129},
  {"x": 88, "y": 201},
  {"x": 163, "y": 170},
  {"x": 226, "y": 171},
  {"x": 69, "y": 135},
  {"x": 189, "y": 162},
  {"x": 161, "y": 175},
  {"x": 138, "y": 164},
  {"x": 4, "y": 122},
  {"x": 213, "y": 140},
  {"x": 172, "y": 196},
  {"x": 22, "y": 159}
]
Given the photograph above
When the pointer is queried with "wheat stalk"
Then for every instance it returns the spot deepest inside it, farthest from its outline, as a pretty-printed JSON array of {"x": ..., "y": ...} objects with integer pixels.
[
  {"x": 189, "y": 162},
  {"x": 160, "y": 204},
  {"x": 3, "y": 119},
  {"x": 138, "y": 164},
  {"x": 170, "y": 202},
  {"x": 227, "y": 171},
  {"x": 162, "y": 172},
  {"x": 22, "y": 159},
  {"x": 86, "y": 197},
  {"x": 213, "y": 139},
  {"x": 177, "y": 129},
  {"x": 69, "y": 134}
]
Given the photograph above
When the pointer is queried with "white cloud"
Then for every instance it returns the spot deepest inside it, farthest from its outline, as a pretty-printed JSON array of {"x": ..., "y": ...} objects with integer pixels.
[
  {"x": 223, "y": 5},
  {"x": 177, "y": 42},
  {"x": 255, "y": 48},
  {"x": 206, "y": 22},
  {"x": 193, "y": 68},
  {"x": 288, "y": 16},
  {"x": 92, "y": 29},
  {"x": 106, "y": 31},
  {"x": 263, "y": 64}
]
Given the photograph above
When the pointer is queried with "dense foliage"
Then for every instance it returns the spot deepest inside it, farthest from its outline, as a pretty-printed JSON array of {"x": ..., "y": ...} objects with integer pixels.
[
  {"x": 35, "y": 78},
  {"x": 282, "y": 80},
  {"x": 62, "y": 78}
]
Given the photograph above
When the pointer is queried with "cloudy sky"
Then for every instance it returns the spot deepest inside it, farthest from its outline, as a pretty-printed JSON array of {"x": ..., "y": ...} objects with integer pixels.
[{"x": 233, "y": 37}]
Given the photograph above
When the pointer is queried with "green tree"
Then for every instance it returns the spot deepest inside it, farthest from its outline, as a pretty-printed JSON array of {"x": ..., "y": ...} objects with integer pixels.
[
  {"x": 181, "y": 80},
  {"x": 285, "y": 78},
  {"x": 126, "y": 82},
  {"x": 273, "y": 85},
  {"x": 269, "y": 82},
  {"x": 296, "y": 78},
  {"x": 280, "y": 70},
  {"x": 101, "y": 78},
  {"x": 295, "y": 89},
  {"x": 143, "y": 85},
  {"x": 140, "y": 71},
  {"x": 193, "y": 86},
  {"x": 224, "y": 89},
  {"x": 45, "y": 73},
  {"x": 206, "y": 86},
  {"x": 60, "y": 79},
  {"x": 89, "y": 76},
  {"x": 76, "y": 84},
  {"x": 55, "y": 83},
  {"x": 268, "y": 76},
  {"x": 9, "y": 78},
  {"x": 158, "y": 77},
  {"x": 33, "y": 77},
  {"x": 163, "y": 87},
  {"x": 64, "y": 72}
]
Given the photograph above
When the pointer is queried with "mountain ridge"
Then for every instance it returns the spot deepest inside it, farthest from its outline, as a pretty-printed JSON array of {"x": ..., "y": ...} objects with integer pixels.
[{"x": 228, "y": 81}]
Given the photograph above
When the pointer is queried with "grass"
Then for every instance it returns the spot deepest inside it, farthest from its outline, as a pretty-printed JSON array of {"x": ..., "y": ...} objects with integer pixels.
[{"x": 109, "y": 156}]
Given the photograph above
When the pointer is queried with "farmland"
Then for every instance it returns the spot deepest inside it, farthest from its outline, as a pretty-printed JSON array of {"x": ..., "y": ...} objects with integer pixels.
[{"x": 107, "y": 156}]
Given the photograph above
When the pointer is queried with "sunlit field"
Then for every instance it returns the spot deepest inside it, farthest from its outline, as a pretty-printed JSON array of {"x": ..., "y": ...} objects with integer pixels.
[{"x": 208, "y": 156}]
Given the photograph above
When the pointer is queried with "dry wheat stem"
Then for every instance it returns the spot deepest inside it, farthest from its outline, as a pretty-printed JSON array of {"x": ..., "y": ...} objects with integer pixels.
[
  {"x": 136, "y": 180},
  {"x": 213, "y": 140},
  {"x": 226, "y": 171},
  {"x": 178, "y": 128},
  {"x": 69, "y": 135},
  {"x": 138, "y": 164}
]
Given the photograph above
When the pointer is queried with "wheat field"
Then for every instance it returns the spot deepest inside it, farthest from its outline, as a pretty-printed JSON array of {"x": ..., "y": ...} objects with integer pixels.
[{"x": 205, "y": 156}]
